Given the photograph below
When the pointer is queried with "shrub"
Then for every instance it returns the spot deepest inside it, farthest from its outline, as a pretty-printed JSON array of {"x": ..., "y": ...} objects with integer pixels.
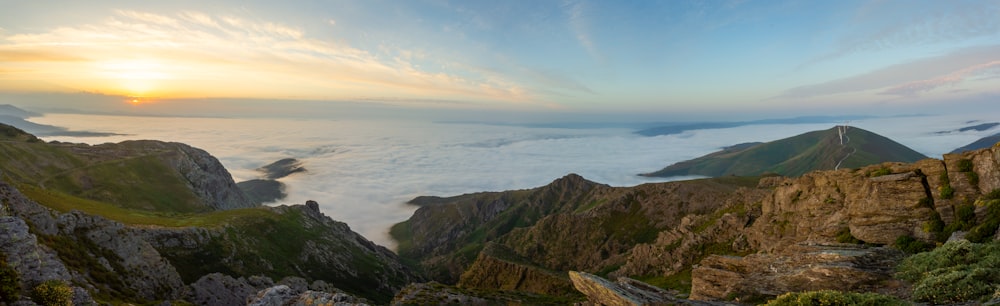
[
  {"x": 956, "y": 272},
  {"x": 880, "y": 172},
  {"x": 833, "y": 298},
  {"x": 844, "y": 236},
  {"x": 10, "y": 283},
  {"x": 912, "y": 245},
  {"x": 964, "y": 165},
  {"x": 973, "y": 178},
  {"x": 966, "y": 213},
  {"x": 52, "y": 292},
  {"x": 947, "y": 192}
]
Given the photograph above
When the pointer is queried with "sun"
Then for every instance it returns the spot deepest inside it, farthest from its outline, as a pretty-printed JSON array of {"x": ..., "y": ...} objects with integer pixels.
[{"x": 136, "y": 77}]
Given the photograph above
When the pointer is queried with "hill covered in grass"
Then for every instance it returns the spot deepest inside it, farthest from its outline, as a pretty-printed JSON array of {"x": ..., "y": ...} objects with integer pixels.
[
  {"x": 143, "y": 221},
  {"x": 794, "y": 156}
]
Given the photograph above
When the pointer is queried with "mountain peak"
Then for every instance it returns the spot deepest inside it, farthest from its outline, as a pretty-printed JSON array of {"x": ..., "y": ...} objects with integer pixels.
[{"x": 838, "y": 147}]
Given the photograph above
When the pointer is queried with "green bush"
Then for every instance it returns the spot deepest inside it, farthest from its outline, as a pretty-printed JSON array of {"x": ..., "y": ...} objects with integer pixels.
[
  {"x": 973, "y": 178},
  {"x": 52, "y": 292},
  {"x": 844, "y": 236},
  {"x": 956, "y": 272},
  {"x": 912, "y": 245},
  {"x": 947, "y": 192},
  {"x": 966, "y": 213},
  {"x": 10, "y": 283},
  {"x": 964, "y": 165},
  {"x": 833, "y": 298},
  {"x": 880, "y": 172}
]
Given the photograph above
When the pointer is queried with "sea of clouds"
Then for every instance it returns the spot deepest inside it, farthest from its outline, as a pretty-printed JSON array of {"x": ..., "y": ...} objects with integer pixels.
[{"x": 362, "y": 172}]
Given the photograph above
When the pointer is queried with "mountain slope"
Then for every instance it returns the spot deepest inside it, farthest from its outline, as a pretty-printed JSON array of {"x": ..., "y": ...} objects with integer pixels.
[
  {"x": 143, "y": 175},
  {"x": 142, "y": 221},
  {"x": 794, "y": 156},
  {"x": 982, "y": 143}
]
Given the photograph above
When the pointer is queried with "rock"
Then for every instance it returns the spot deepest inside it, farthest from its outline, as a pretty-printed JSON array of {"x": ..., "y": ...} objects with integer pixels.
[
  {"x": 626, "y": 292},
  {"x": 274, "y": 296},
  {"x": 220, "y": 289},
  {"x": 312, "y": 205},
  {"x": 499, "y": 268},
  {"x": 434, "y": 293},
  {"x": 297, "y": 284},
  {"x": 282, "y": 168},
  {"x": 805, "y": 268},
  {"x": 316, "y": 298},
  {"x": 34, "y": 262}
]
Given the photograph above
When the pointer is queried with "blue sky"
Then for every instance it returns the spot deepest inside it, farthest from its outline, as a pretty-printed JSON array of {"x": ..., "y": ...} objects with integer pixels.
[{"x": 574, "y": 56}]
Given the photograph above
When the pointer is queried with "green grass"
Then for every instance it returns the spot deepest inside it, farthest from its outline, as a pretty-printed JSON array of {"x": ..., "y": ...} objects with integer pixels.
[
  {"x": 797, "y": 155},
  {"x": 834, "y": 298},
  {"x": 64, "y": 203}
]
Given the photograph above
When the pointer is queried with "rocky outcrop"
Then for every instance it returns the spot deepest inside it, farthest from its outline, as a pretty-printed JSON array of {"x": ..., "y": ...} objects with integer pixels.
[
  {"x": 283, "y": 295},
  {"x": 220, "y": 289},
  {"x": 806, "y": 268},
  {"x": 89, "y": 250},
  {"x": 34, "y": 262},
  {"x": 206, "y": 176},
  {"x": 436, "y": 294},
  {"x": 499, "y": 268},
  {"x": 626, "y": 292}
]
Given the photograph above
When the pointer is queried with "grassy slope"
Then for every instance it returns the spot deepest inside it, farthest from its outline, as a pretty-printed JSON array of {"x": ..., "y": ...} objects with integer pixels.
[
  {"x": 144, "y": 190},
  {"x": 793, "y": 156}
]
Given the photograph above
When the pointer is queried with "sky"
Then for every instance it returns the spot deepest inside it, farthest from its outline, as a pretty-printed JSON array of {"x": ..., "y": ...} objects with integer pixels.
[{"x": 732, "y": 56}]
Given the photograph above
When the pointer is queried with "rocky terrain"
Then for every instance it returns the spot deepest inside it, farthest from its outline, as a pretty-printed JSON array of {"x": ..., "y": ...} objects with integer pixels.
[
  {"x": 735, "y": 239},
  {"x": 150, "y": 221},
  {"x": 218, "y": 249}
]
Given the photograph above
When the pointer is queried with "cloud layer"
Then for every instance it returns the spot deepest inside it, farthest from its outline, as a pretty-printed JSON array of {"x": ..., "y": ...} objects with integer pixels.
[{"x": 361, "y": 172}]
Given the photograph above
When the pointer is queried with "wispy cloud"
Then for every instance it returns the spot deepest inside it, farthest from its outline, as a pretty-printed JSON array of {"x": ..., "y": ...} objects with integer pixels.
[
  {"x": 225, "y": 55},
  {"x": 576, "y": 15},
  {"x": 881, "y": 25},
  {"x": 919, "y": 75},
  {"x": 989, "y": 70}
]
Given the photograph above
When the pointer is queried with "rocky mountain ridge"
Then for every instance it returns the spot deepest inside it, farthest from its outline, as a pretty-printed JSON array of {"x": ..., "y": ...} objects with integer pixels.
[{"x": 711, "y": 237}]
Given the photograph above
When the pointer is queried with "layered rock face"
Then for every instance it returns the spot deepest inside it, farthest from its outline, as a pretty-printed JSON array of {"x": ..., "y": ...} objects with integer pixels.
[{"x": 807, "y": 268}]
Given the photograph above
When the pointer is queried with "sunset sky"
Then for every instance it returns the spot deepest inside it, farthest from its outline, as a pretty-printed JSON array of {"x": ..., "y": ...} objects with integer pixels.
[{"x": 697, "y": 56}]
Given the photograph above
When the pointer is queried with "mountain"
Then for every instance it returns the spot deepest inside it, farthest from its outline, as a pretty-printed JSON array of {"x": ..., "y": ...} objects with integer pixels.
[
  {"x": 982, "y": 143},
  {"x": 677, "y": 128},
  {"x": 794, "y": 156},
  {"x": 13, "y": 116},
  {"x": 717, "y": 240},
  {"x": 145, "y": 221}
]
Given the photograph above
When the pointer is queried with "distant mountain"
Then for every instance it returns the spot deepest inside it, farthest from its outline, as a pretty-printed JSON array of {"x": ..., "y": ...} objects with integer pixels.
[
  {"x": 677, "y": 128},
  {"x": 978, "y": 127},
  {"x": 794, "y": 156},
  {"x": 10, "y": 110},
  {"x": 982, "y": 143},
  {"x": 13, "y": 116}
]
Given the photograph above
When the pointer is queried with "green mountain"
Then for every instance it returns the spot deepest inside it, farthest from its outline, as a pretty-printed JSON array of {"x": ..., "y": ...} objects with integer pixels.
[
  {"x": 797, "y": 155},
  {"x": 982, "y": 143},
  {"x": 143, "y": 221}
]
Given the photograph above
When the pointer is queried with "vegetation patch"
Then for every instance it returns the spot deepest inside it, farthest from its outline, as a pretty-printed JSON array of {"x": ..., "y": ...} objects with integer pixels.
[
  {"x": 10, "y": 282},
  {"x": 945, "y": 189},
  {"x": 844, "y": 236},
  {"x": 880, "y": 172},
  {"x": 957, "y": 272},
  {"x": 52, "y": 293},
  {"x": 834, "y": 298},
  {"x": 912, "y": 245},
  {"x": 964, "y": 165}
]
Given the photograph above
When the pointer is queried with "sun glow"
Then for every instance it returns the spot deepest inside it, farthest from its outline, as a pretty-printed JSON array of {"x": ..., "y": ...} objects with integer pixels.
[{"x": 134, "y": 77}]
